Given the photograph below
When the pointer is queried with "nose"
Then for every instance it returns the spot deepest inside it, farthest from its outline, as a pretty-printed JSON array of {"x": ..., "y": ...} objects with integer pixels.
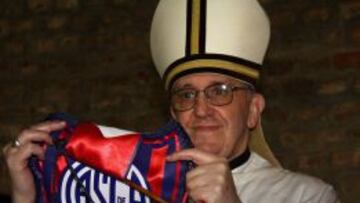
[{"x": 202, "y": 107}]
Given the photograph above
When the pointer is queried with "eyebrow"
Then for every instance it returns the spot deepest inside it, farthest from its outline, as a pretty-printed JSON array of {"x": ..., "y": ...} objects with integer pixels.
[{"x": 188, "y": 85}]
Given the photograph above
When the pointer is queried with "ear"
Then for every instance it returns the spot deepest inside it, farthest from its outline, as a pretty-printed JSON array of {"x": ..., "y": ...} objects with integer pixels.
[{"x": 256, "y": 107}]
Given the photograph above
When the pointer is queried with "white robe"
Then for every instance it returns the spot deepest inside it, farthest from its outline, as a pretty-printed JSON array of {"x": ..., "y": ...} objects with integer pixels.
[{"x": 257, "y": 181}]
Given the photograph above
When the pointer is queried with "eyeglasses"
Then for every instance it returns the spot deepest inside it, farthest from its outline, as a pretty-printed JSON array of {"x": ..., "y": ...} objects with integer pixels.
[{"x": 217, "y": 95}]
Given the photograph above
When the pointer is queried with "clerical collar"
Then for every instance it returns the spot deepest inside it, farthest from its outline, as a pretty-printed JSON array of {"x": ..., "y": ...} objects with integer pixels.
[{"x": 240, "y": 160}]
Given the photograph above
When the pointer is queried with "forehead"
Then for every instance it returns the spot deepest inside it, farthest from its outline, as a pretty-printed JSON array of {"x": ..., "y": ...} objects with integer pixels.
[{"x": 200, "y": 80}]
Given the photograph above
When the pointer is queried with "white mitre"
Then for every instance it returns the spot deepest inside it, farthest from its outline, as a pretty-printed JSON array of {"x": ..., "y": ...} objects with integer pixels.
[{"x": 226, "y": 36}]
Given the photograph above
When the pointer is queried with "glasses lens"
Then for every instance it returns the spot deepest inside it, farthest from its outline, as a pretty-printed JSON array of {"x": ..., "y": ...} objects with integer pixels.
[
  {"x": 183, "y": 99},
  {"x": 219, "y": 94}
]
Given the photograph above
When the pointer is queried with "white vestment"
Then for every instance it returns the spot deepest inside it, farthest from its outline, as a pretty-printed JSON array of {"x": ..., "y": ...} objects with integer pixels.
[{"x": 257, "y": 181}]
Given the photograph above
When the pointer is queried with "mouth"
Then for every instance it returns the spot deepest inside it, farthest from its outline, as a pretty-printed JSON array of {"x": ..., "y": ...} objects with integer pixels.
[
  {"x": 206, "y": 127},
  {"x": 207, "y": 137}
]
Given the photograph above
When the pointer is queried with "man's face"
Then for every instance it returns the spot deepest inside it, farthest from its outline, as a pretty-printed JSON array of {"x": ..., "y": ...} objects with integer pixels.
[{"x": 220, "y": 130}]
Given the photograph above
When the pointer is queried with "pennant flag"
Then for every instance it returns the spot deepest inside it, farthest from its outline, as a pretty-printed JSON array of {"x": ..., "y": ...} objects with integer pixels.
[{"x": 93, "y": 163}]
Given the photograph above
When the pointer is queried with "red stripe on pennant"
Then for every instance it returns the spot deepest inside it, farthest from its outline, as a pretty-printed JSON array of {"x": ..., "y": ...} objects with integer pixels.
[
  {"x": 61, "y": 164},
  {"x": 157, "y": 169},
  {"x": 178, "y": 170}
]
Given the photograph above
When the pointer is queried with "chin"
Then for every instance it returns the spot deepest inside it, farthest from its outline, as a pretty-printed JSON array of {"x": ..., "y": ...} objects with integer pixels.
[{"x": 212, "y": 149}]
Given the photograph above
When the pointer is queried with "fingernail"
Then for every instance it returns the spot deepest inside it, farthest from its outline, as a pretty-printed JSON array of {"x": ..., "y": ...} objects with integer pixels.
[{"x": 169, "y": 158}]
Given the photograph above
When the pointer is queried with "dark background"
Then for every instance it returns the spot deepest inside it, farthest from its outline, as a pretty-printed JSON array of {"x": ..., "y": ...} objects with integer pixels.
[{"x": 91, "y": 58}]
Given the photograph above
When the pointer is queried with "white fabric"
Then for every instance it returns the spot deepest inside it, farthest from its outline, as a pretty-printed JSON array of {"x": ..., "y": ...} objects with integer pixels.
[
  {"x": 110, "y": 132},
  {"x": 238, "y": 28},
  {"x": 245, "y": 29},
  {"x": 168, "y": 33},
  {"x": 257, "y": 181}
]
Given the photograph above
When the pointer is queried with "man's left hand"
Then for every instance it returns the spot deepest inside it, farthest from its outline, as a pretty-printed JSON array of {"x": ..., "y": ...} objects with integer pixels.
[{"x": 211, "y": 180}]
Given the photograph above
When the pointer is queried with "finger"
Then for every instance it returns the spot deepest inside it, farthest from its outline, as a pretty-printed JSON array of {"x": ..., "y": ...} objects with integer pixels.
[
  {"x": 6, "y": 149},
  {"x": 49, "y": 126},
  {"x": 209, "y": 193},
  {"x": 18, "y": 156},
  {"x": 201, "y": 194},
  {"x": 32, "y": 135},
  {"x": 204, "y": 171},
  {"x": 40, "y": 132},
  {"x": 195, "y": 180},
  {"x": 197, "y": 156},
  {"x": 32, "y": 149}
]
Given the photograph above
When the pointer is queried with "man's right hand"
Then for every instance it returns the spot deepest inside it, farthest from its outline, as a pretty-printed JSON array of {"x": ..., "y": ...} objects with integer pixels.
[{"x": 23, "y": 186}]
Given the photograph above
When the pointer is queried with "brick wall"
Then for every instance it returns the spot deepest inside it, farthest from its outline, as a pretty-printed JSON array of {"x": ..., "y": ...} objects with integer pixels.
[
  {"x": 91, "y": 58},
  {"x": 311, "y": 80}
]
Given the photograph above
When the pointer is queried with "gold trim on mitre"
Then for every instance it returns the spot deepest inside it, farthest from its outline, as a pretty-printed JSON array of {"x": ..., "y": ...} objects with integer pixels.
[
  {"x": 210, "y": 63},
  {"x": 195, "y": 27}
]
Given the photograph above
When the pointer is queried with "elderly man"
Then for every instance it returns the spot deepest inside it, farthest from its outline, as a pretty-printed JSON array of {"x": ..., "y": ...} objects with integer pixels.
[{"x": 209, "y": 53}]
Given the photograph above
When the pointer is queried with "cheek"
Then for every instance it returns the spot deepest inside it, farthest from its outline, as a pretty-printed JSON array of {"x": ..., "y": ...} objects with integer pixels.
[
  {"x": 236, "y": 120},
  {"x": 184, "y": 119},
  {"x": 233, "y": 116}
]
